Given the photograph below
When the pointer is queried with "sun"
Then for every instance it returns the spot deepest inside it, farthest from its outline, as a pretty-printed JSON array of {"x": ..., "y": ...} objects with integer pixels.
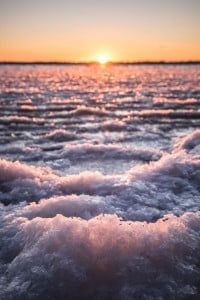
[{"x": 102, "y": 59}]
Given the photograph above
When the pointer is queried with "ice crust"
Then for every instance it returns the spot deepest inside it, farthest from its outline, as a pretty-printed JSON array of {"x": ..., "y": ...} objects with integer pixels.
[
  {"x": 99, "y": 183},
  {"x": 91, "y": 232}
]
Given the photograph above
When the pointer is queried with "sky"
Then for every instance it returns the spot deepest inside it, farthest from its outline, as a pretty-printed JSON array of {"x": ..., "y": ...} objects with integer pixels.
[{"x": 82, "y": 30}]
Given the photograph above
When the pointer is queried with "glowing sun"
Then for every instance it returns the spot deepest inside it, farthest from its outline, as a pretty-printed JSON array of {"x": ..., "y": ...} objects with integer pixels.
[{"x": 102, "y": 59}]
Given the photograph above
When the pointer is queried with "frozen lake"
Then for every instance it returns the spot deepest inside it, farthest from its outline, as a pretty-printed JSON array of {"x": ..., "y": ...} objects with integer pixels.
[{"x": 99, "y": 182}]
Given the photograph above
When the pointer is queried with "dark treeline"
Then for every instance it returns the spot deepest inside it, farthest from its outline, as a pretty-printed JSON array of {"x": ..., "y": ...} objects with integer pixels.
[{"x": 92, "y": 62}]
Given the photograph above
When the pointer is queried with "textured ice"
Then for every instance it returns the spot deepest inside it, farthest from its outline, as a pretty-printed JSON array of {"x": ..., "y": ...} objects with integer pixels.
[
  {"x": 99, "y": 182},
  {"x": 189, "y": 142}
]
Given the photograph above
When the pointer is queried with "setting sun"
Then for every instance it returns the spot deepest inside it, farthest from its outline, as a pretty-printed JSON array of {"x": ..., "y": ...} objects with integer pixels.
[{"x": 102, "y": 59}]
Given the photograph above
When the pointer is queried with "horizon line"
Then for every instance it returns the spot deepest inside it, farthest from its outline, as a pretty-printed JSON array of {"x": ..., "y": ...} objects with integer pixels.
[{"x": 144, "y": 62}]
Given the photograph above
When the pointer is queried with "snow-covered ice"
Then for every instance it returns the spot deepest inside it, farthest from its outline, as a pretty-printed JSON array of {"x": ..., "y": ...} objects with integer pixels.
[{"x": 99, "y": 182}]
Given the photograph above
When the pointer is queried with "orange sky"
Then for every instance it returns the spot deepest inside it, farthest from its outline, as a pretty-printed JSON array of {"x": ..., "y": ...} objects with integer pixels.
[{"x": 128, "y": 30}]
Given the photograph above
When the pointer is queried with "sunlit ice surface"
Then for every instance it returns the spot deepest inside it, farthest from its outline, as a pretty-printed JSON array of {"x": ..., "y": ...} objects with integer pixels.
[{"x": 99, "y": 182}]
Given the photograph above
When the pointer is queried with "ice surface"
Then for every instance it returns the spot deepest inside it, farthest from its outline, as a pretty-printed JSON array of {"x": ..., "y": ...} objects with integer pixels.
[{"x": 99, "y": 182}]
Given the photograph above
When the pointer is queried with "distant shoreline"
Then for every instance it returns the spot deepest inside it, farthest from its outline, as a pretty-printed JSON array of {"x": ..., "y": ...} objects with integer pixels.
[{"x": 96, "y": 63}]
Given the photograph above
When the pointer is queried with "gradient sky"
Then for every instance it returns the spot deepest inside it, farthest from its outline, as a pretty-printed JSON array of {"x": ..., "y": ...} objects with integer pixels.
[{"x": 79, "y": 30}]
